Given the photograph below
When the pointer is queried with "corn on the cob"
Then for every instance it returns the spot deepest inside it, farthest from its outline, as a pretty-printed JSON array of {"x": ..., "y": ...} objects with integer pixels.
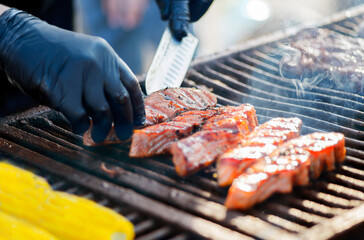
[
  {"x": 29, "y": 197},
  {"x": 12, "y": 228}
]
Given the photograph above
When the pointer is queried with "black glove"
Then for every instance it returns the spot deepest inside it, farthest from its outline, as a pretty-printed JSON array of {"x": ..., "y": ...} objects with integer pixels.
[
  {"x": 79, "y": 75},
  {"x": 181, "y": 12}
]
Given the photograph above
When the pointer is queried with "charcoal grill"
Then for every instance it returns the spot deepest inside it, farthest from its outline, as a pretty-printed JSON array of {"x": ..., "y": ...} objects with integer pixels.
[{"x": 164, "y": 206}]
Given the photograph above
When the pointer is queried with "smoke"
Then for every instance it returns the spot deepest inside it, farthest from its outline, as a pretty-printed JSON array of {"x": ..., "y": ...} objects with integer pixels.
[{"x": 291, "y": 58}]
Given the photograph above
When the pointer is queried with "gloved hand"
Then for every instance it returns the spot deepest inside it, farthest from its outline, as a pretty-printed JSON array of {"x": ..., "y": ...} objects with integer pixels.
[
  {"x": 181, "y": 12},
  {"x": 78, "y": 75}
]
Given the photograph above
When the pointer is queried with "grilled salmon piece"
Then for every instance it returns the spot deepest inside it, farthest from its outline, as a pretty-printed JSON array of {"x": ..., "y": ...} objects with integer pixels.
[
  {"x": 157, "y": 139},
  {"x": 295, "y": 162},
  {"x": 161, "y": 106},
  {"x": 282, "y": 123},
  {"x": 191, "y": 98},
  {"x": 219, "y": 133},
  {"x": 165, "y": 104},
  {"x": 326, "y": 148},
  {"x": 236, "y": 124},
  {"x": 299, "y": 160},
  {"x": 260, "y": 143},
  {"x": 201, "y": 149},
  {"x": 284, "y": 128},
  {"x": 246, "y": 108},
  {"x": 241, "y": 118},
  {"x": 205, "y": 114},
  {"x": 337, "y": 139},
  {"x": 235, "y": 161},
  {"x": 266, "y": 178}
]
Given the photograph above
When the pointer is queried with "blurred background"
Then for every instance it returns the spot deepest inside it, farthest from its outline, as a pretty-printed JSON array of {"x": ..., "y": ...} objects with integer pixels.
[{"x": 134, "y": 28}]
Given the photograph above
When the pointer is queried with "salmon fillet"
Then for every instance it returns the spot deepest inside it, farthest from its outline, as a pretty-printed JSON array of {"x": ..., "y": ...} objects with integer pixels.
[
  {"x": 242, "y": 118},
  {"x": 161, "y": 106},
  {"x": 263, "y": 180},
  {"x": 157, "y": 139},
  {"x": 231, "y": 111},
  {"x": 260, "y": 143},
  {"x": 201, "y": 149},
  {"x": 219, "y": 133},
  {"x": 293, "y": 163},
  {"x": 326, "y": 149}
]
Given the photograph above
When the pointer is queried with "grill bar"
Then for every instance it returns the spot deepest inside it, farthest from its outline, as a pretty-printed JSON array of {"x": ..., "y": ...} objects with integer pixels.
[
  {"x": 311, "y": 206},
  {"x": 328, "y": 199},
  {"x": 280, "y": 222},
  {"x": 336, "y": 225}
]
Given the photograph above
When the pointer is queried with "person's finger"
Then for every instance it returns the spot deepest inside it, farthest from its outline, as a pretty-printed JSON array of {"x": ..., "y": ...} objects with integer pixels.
[
  {"x": 75, "y": 113},
  {"x": 179, "y": 19},
  {"x": 165, "y": 8},
  {"x": 132, "y": 86},
  {"x": 98, "y": 108},
  {"x": 121, "y": 109},
  {"x": 198, "y": 8}
]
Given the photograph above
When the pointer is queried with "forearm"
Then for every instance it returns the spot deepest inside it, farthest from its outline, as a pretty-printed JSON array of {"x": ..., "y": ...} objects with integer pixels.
[{"x": 3, "y": 8}]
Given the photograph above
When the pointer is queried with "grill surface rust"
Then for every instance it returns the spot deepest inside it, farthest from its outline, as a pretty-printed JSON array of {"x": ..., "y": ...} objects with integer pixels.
[{"x": 162, "y": 205}]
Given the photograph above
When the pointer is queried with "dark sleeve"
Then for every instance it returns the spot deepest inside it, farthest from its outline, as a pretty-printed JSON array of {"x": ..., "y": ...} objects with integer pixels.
[
  {"x": 55, "y": 12},
  {"x": 12, "y": 100}
]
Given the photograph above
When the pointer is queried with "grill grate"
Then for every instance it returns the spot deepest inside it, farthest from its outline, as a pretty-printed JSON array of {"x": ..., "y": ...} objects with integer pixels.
[{"x": 164, "y": 206}]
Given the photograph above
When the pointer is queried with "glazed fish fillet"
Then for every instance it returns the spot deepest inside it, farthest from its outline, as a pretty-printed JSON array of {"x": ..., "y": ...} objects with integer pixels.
[
  {"x": 263, "y": 180},
  {"x": 326, "y": 149},
  {"x": 291, "y": 164},
  {"x": 162, "y": 105},
  {"x": 260, "y": 143},
  {"x": 218, "y": 134}
]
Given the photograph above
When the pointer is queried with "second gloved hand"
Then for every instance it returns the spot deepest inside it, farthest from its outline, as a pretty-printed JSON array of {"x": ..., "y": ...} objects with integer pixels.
[
  {"x": 181, "y": 12},
  {"x": 79, "y": 75}
]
